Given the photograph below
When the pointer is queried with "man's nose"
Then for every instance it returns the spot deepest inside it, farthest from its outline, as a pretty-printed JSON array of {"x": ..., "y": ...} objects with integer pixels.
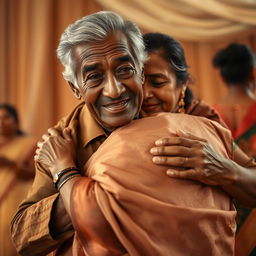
[{"x": 113, "y": 88}]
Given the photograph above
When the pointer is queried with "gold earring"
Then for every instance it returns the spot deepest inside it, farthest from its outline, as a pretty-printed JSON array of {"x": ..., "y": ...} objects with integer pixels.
[{"x": 181, "y": 103}]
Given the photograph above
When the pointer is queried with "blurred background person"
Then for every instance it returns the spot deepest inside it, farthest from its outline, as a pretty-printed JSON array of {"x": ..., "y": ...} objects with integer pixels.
[
  {"x": 237, "y": 108},
  {"x": 16, "y": 172},
  {"x": 236, "y": 64}
]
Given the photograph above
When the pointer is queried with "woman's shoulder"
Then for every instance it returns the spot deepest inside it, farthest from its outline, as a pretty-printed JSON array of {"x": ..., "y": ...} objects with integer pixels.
[{"x": 200, "y": 108}]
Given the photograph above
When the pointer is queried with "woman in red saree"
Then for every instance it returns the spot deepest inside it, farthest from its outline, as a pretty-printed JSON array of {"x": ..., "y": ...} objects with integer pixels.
[{"x": 236, "y": 63}]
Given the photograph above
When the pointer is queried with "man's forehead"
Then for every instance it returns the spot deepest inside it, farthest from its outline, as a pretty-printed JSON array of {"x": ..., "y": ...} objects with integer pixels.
[{"x": 116, "y": 44}]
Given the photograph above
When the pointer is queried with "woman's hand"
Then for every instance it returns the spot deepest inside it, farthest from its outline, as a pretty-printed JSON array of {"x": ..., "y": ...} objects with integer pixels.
[
  {"x": 191, "y": 157},
  {"x": 56, "y": 151}
]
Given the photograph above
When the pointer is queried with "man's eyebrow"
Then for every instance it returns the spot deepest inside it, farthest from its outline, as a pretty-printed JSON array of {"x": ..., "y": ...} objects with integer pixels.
[
  {"x": 89, "y": 68},
  {"x": 125, "y": 58}
]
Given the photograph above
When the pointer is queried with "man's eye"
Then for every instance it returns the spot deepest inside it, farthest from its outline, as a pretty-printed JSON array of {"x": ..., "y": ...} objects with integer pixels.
[
  {"x": 93, "y": 80},
  {"x": 125, "y": 72},
  {"x": 94, "y": 76}
]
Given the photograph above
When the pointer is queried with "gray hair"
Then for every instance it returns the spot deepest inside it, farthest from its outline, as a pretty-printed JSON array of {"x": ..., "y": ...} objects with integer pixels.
[{"x": 94, "y": 28}]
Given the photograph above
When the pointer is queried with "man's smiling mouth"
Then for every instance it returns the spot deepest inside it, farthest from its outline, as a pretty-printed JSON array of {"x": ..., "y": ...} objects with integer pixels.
[{"x": 117, "y": 106}]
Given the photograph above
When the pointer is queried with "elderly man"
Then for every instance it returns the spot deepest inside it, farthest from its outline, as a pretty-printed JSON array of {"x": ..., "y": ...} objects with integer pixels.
[{"x": 103, "y": 57}]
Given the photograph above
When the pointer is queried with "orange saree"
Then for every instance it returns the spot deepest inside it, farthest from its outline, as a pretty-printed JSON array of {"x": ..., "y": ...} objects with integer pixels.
[
  {"x": 13, "y": 189},
  {"x": 130, "y": 207}
]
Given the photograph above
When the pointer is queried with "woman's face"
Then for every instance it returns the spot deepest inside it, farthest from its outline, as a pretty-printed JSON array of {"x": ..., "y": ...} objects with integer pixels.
[
  {"x": 8, "y": 125},
  {"x": 161, "y": 92}
]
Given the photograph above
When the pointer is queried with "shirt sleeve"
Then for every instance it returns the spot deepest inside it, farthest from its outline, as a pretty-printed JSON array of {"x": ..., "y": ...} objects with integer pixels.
[{"x": 30, "y": 226}]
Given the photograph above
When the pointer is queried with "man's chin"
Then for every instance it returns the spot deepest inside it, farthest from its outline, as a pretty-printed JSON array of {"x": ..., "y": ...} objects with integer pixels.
[{"x": 111, "y": 126}]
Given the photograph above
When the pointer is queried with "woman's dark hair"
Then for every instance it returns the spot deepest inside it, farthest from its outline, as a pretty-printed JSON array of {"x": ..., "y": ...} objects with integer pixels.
[
  {"x": 14, "y": 114},
  {"x": 172, "y": 52},
  {"x": 235, "y": 62}
]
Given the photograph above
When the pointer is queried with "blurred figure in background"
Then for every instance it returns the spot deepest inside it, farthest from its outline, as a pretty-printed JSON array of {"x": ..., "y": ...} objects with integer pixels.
[
  {"x": 238, "y": 107},
  {"x": 236, "y": 64},
  {"x": 16, "y": 172}
]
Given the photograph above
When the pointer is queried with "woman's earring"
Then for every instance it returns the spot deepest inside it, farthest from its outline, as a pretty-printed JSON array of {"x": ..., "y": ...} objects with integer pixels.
[{"x": 181, "y": 104}]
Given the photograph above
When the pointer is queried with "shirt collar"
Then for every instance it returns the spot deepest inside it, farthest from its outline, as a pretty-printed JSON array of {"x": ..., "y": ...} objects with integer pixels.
[{"x": 89, "y": 128}]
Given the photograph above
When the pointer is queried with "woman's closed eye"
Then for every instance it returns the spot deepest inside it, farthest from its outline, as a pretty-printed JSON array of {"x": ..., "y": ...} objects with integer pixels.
[{"x": 158, "y": 83}]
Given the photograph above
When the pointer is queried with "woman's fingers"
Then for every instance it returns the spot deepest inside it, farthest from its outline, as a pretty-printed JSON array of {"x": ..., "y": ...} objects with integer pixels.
[
  {"x": 172, "y": 161},
  {"x": 179, "y": 141},
  {"x": 191, "y": 174},
  {"x": 171, "y": 151},
  {"x": 189, "y": 136},
  {"x": 179, "y": 162}
]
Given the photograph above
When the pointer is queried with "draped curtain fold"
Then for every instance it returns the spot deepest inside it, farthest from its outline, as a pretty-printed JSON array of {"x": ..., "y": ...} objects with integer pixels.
[
  {"x": 190, "y": 20},
  {"x": 31, "y": 75}
]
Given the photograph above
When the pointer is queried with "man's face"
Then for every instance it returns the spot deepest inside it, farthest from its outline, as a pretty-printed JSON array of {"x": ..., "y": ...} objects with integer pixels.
[{"x": 109, "y": 81}]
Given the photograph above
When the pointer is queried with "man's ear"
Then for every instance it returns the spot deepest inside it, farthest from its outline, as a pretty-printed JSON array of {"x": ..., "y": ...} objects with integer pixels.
[{"x": 75, "y": 91}]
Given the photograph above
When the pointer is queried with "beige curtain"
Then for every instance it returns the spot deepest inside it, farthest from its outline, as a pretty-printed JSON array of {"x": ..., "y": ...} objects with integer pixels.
[
  {"x": 30, "y": 74},
  {"x": 190, "y": 20}
]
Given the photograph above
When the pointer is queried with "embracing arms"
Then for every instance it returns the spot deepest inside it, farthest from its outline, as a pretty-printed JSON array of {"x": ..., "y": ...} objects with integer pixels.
[
  {"x": 57, "y": 153},
  {"x": 201, "y": 162}
]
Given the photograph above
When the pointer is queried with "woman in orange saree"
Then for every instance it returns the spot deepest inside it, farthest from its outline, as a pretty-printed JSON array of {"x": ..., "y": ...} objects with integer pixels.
[{"x": 16, "y": 172}]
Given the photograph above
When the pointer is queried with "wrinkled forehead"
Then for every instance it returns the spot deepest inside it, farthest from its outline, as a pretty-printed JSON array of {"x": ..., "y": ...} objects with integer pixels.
[{"x": 114, "y": 45}]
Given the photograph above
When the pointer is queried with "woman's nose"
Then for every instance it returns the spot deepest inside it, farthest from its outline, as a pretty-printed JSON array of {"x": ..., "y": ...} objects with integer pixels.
[{"x": 147, "y": 92}]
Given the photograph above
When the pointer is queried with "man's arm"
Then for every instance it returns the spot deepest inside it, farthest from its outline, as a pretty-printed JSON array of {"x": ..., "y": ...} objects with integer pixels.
[
  {"x": 36, "y": 229},
  {"x": 78, "y": 195}
]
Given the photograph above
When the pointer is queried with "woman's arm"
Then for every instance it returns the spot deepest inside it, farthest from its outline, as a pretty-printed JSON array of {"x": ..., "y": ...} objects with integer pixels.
[{"x": 199, "y": 161}]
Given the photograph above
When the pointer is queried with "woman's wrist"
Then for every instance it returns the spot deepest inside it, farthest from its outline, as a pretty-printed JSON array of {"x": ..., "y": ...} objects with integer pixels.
[{"x": 233, "y": 172}]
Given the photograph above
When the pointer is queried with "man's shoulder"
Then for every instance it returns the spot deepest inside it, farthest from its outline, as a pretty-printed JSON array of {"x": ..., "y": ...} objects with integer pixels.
[{"x": 71, "y": 118}]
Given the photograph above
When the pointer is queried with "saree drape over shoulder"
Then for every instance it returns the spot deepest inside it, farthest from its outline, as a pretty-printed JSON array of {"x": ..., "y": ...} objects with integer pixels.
[
  {"x": 129, "y": 206},
  {"x": 245, "y": 137},
  {"x": 13, "y": 189}
]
